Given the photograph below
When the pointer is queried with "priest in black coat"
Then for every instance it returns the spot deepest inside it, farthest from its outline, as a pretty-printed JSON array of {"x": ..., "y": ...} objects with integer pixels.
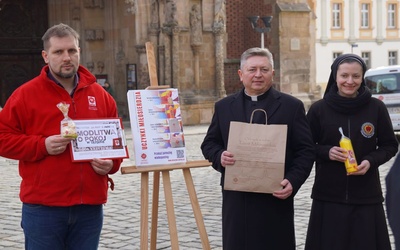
[{"x": 255, "y": 221}]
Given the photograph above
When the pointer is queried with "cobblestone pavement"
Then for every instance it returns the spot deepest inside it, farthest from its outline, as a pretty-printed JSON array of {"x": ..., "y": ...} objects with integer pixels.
[{"x": 121, "y": 229}]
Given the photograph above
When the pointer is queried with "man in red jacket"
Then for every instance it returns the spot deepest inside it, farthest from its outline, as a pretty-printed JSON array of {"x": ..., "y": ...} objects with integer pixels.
[{"x": 62, "y": 200}]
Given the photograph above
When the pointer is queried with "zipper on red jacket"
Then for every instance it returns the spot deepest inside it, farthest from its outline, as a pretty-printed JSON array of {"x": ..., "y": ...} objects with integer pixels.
[
  {"x": 81, "y": 164},
  {"x": 74, "y": 105},
  {"x": 73, "y": 99},
  {"x": 81, "y": 183}
]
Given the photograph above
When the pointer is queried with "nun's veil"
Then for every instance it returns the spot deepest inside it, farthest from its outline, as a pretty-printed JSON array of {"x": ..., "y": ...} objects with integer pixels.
[{"x": 344, "y": 104}]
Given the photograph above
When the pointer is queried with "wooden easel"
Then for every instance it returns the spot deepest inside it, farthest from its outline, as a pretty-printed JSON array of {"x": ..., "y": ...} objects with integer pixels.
[{"x": 165, "y": 170}]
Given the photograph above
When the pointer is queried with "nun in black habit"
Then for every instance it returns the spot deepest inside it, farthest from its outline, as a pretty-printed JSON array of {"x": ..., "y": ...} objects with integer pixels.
[{"x": 347, "y": 211}]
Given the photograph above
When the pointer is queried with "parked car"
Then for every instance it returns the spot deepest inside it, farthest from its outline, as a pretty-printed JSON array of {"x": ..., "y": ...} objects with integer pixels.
[{"x": 384, "y": 83}]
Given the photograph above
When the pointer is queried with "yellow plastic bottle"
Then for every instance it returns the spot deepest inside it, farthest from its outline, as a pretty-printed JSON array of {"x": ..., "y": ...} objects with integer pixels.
[{"x": 351, "y": 162}]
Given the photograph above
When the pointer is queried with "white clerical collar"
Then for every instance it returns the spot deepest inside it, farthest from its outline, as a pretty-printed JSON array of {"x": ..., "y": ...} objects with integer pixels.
[{"x": 254, "y": 98}]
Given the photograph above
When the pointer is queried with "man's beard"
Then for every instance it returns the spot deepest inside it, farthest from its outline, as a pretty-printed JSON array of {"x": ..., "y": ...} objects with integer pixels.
[{"x": 66, "y": 75}]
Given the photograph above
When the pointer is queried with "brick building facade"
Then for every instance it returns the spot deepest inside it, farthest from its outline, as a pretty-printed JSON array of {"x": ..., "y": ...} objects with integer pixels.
[{"x": 291, "y": 41}]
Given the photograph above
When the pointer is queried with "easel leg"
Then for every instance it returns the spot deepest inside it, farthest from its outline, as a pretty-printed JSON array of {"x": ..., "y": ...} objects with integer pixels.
[
  {"x": 154, "y": 213},
  {"x": 196, "y": 208},
  {"x": 170, "y": 210},
  {"x": 144, "y": 211}
]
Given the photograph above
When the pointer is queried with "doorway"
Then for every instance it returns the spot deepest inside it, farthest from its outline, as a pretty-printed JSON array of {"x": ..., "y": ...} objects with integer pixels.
[{"x": 22, "y": 25}]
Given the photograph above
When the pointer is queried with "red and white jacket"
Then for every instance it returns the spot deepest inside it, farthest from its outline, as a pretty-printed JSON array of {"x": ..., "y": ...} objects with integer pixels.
[{"x": 29, "y": 116}]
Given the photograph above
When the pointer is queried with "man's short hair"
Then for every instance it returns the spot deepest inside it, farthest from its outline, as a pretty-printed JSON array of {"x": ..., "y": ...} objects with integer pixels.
[
  {"x": 58, "y": 30},
  {"x": 256, "y": 52}
]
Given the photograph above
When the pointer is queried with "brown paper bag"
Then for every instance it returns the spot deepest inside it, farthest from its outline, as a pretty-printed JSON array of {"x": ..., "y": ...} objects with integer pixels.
[{"x": 259, "y": 152}]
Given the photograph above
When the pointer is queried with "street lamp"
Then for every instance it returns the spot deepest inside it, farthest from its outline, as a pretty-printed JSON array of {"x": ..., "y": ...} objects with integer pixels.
[
  {"x": 353, "y": 46},
  {"x": 267, "y": 25}
]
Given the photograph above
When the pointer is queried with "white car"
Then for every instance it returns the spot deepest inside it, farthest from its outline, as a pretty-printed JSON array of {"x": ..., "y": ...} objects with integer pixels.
[{"x": 384, "y": 83}]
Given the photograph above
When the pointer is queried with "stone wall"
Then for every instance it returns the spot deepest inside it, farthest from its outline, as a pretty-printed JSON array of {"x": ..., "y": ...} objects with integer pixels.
[
  {"x": 296, "y": 52},
  {"x": 197, "y": 46},
  {"x": 107, "y": 41}
]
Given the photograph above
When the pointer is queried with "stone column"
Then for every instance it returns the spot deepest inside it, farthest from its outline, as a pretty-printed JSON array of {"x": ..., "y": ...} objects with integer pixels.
[
  {"x": 196, "y": 50},
  {"x": 196, "y": 39},
  {"x": 141, "y": 24},
  {"x": 161, "y": 65},
  {"x": 154, "y": 29},
  {"x": 379, "y": 25},
  {"x": 219, "y": 32},
  {"x": 167, "y": 58},
  {"x": 219, "y": 63},
  {"x": 175, "y": 57},
  {"x": 142, "y": 68},
  {"x": 352, "y": 37},
  {"x": 171, "y": 43},
  {"x": 324, "y": 17}
]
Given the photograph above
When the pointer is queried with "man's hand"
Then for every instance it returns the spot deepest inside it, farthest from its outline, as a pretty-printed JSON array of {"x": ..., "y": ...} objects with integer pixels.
[
  {"x": 102, "y": 167},
  {"x": 285, "y": 192},
  {"x": 56, "y": 144},
  {"x": 227, "y": 159}
]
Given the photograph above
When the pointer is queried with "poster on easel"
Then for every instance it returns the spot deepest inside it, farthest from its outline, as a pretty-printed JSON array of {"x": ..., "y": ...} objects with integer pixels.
[{"x": 156, "y": 125}]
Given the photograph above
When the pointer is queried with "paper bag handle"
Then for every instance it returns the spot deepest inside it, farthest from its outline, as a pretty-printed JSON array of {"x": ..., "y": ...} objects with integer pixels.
[{"x": 252, "y": 113}]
